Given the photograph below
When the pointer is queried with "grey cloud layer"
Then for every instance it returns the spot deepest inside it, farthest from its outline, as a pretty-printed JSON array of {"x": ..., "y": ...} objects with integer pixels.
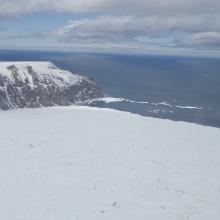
[
  {"x": 203, "y": 40},
  {"x": 137, "y": 29},
  {"x": 122, "y": 6},
  {"x": 140, "y": 23},
  {"x": 131, "y": 27}
]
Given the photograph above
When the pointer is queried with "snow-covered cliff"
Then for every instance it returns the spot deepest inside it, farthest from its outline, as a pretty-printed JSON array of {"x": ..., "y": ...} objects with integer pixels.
[{"x": 35, "y": 84}]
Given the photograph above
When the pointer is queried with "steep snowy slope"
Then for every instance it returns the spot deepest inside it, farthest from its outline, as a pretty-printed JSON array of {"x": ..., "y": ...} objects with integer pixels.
[
  {"x": 34, "y": 84},
  {"x": 81, "y": 163}
]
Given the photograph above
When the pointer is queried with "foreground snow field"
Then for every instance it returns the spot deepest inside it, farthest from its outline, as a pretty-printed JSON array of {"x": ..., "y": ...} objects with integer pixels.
[{"x": 81, "y": 163}]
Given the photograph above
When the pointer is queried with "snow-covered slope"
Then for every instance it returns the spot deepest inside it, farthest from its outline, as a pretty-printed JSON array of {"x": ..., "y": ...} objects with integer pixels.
[
  {"x": 34, "y": 84},
  {"x": 85, "y": 163}
]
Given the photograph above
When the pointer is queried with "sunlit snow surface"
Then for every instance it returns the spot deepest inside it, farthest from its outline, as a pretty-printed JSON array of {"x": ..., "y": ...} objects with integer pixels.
[
  {"x": 82, "y": 163},
  {"x": 46, "y": 72}
]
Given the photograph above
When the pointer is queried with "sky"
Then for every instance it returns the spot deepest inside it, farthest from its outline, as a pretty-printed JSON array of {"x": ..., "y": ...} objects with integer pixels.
[{"x": 189, "y": 27}]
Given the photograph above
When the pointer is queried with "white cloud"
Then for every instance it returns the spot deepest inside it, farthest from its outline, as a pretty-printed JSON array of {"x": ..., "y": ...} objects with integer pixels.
[
  {"x": 141, "y": 31},
  {"x": 128, "y": 23},
  {"x": 203, "y": 40}
]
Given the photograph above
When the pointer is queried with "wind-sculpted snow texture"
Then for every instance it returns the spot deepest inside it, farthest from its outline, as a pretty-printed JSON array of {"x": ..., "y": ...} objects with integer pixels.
[
  {"x": 35, "y": 84},
  {"x": 83, "y": 163}
]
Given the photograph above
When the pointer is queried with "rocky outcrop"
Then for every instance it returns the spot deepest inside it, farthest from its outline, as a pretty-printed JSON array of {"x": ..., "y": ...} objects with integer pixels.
[{"x": 36, "y": 84}]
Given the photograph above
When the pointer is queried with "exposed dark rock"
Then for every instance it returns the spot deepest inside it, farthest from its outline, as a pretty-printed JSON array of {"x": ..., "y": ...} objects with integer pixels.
[{"x": 22, "y": 86}]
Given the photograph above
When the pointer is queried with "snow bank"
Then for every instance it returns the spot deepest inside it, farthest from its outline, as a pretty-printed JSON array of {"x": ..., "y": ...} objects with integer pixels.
[{"x": 90, "y": 164}]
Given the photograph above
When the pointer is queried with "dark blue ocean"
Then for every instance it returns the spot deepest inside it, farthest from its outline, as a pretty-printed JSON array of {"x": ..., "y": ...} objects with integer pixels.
[{"x": 176, "y": 88}]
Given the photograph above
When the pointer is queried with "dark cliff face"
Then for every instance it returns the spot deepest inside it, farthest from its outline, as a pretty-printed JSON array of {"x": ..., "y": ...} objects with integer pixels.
[{"x": 32, "y": 89}]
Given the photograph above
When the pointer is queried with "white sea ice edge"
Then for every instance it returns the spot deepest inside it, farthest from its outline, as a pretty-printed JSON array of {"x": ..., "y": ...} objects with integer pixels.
[
  {"x": 112, "y": 100},
  {"x": 92, "y": 164}
]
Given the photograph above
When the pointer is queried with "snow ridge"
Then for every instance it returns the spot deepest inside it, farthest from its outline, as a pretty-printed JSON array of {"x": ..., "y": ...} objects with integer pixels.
[
  {"x": 35, "y": 84},
  {"x": 45, "y": 71}
]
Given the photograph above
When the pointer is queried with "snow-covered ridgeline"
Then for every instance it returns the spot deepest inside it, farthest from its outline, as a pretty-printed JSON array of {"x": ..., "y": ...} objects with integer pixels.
[
  {"x": 34, "y": 84},
  {"x": 45, "y": 71}
]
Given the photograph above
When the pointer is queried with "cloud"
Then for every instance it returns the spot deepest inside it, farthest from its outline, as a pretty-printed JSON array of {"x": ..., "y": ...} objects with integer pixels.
[
  {"x": 142, "y": 31},
  {"x": 136, "y": 32},
  {"x": 12, "y": 7},
  {"x": 203, "y": 40},
  {"x": 127, "y": 23},
  {"x": 128, "y": 27}
]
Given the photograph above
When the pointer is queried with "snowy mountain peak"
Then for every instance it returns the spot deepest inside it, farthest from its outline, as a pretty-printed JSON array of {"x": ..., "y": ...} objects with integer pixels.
[
  {"x": 34, "y": 84},
  {"x": 44, "y": 71}
]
